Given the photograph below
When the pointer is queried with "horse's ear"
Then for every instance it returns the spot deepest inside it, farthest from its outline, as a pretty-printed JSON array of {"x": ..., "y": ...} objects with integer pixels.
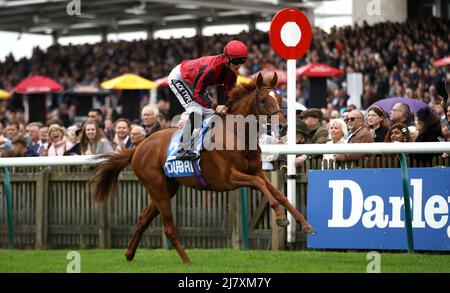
[
  {"x": 274, "y": 81},
  {"x": 259, "y": 81}
]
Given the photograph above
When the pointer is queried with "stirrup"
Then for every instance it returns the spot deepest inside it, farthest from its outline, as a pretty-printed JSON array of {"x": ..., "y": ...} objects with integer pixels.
[{"x": 186, "y": 155}]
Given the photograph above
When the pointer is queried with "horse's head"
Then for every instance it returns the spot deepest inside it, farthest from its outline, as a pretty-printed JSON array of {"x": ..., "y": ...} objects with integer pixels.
[{"x": 268, "y": 103}]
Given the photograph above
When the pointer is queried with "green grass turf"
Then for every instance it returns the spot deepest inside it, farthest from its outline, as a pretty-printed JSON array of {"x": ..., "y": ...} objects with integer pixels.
[{"x": 219, "y": 261}]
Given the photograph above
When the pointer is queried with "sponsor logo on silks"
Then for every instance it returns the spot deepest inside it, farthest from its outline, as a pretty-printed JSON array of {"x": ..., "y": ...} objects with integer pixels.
[
  {"x": 183, "y": 92},
  {"x": 179, "y": 168},
  {"x": 365, "y": 209}
]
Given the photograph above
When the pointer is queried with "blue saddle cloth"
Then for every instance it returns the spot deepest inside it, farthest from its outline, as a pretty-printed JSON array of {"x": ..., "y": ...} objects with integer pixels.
[{"x": 185, "y": 168}]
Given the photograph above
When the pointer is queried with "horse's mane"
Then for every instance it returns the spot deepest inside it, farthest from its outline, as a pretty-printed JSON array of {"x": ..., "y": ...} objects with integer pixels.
[{"x": 243, "y": 90}]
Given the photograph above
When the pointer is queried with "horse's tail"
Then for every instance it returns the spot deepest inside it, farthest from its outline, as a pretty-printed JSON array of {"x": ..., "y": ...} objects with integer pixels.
[{"x": 107, "y": 172}]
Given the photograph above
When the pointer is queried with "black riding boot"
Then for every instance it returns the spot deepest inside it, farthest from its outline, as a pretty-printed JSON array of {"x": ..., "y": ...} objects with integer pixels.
[{"x": 185, "y": 151}]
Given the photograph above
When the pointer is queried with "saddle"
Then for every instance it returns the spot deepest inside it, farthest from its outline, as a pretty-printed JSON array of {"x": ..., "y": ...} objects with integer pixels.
[{"x": 185, "y": 168}]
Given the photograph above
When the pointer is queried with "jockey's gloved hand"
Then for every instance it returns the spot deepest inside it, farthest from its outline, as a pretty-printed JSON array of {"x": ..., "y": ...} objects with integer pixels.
[{"x": 221, "y": 109}]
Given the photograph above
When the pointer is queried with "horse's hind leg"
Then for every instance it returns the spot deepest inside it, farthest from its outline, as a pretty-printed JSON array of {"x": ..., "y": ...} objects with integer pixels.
[
  {"x": 170, "y": 230},
  {"x": 149, "y": 213},
  {"x": 299, "y": 218},
  {"x": 147, "y": 216}
]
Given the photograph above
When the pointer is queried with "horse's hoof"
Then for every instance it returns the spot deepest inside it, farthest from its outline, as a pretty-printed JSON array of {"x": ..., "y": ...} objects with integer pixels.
[
  {"x": 187, "y": 261},
  {"x": 308, "y": 230},
  {"x": 284, "y": 222},
  {"x": 129, "y": 256}
]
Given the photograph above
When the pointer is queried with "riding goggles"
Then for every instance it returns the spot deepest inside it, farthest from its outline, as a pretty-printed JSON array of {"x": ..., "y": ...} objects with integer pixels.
[{"x": 238, "y": 61}]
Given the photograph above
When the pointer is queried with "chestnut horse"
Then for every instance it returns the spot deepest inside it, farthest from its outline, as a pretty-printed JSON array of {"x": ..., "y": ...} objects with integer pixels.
[{"x": 223, "y": 170}]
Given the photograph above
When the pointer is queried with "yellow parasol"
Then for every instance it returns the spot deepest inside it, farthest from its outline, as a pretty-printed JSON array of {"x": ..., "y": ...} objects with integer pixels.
[
  {"x": 4, "y": 94},
  {"x": 129, "y": 82},
  {"x": 241, "y": 79}
]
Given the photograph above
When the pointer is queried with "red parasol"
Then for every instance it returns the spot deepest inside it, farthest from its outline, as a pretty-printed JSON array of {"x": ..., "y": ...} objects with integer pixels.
[
  {"x": 38, "y": 84},
  {"x": 442, "y": 62},
  {"x": 268, "y": 71},
  {"x": 318, "y": 70}
]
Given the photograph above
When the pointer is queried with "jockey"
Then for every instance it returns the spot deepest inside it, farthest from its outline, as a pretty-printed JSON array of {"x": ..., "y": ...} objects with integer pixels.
[{"x": 189, "y": 82}]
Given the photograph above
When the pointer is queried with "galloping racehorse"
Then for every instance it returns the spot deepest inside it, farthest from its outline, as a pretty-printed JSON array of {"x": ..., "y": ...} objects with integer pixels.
[{"x": 223, "y": 170}]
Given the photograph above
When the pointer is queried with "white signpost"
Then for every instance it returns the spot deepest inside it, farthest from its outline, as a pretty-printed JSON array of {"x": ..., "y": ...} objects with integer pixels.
[{"x": 290, "y": 36}]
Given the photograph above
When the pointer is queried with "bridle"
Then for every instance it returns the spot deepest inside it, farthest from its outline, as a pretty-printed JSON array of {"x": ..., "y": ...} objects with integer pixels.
[{"x": 257, "y": 105}]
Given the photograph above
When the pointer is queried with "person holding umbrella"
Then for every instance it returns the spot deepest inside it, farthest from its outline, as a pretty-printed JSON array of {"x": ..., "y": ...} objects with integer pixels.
[{"x": 401, "y": 113}]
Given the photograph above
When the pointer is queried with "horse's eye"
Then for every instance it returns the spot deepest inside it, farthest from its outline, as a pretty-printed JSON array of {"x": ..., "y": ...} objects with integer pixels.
[{"x": 264, "y": 101}]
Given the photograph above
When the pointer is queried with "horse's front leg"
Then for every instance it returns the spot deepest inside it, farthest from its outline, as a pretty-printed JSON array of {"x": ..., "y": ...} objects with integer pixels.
[
  {"x": 241, "y": 179},
  {"x": 299, "y": 218}
]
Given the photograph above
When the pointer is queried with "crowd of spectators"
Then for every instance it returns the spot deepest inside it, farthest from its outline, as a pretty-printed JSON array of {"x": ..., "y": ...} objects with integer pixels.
[
  {"x": 394, "y": 58},
  {"x": 93, "y": 137},
  {"x": 374, "y": 125}
]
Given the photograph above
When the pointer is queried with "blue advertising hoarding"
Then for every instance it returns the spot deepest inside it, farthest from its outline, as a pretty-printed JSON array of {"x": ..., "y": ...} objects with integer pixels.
[{"x": 364, "y": 209}]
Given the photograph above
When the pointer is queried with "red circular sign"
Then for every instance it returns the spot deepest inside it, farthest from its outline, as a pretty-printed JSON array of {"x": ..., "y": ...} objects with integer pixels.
[{"x": 297, "y": 44}]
